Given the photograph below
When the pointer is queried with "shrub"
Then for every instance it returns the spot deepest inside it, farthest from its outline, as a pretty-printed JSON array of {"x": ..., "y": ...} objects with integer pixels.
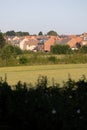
[
  {"x": 61, "y": 49},
  {"x": 52, "y": 59},
  {"x": 83, "y": 49},
  {"x": 23, "y": 60},
  {"x": 44, "y": 107}
]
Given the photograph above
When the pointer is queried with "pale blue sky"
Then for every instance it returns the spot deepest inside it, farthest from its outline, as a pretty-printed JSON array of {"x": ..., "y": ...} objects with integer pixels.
[{"x": 63, "y": 16}]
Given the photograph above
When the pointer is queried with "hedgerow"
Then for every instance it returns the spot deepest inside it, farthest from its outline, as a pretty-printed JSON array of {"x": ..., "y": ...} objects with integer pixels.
[{"x": 44, "y": 107}]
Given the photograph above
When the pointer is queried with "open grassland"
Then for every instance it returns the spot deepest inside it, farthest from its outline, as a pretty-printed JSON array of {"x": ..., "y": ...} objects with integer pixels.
[{"x": 30, "y": 74}]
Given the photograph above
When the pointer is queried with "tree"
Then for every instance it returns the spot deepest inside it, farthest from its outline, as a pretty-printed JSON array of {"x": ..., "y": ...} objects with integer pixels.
[
  {"x": 2, "y": 40},
  {"x": 52, "y": 33},
  {"x": 40, "y": 33},
  {"x": 83, "y": 49},
  {"x": 10, "y": 33},
  {"x": 8, "y": 52},
  {"x": 61, "y": 49},
  {"x": 13, "y": 33},
  {"x": 12, "y": 50},
  {"x": 22, "y": 33},
  {"x": 5, "y": 54}
]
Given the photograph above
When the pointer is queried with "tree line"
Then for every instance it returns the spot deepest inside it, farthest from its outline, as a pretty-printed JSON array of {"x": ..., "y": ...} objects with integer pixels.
[
  {"x": 65, "y": 49},
  {"x": 20, "y": 33},
  {"x": 13, "y": 33}
]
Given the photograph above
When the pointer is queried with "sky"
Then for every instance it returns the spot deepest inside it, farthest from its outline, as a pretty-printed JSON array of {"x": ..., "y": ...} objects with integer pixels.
[{"x": 33, "y": 16}]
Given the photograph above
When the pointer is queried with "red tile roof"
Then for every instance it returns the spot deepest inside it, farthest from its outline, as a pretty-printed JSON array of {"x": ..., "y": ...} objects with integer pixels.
[
  {"x": 50, "y": 42},
  {"x": 73, "y": 41}
]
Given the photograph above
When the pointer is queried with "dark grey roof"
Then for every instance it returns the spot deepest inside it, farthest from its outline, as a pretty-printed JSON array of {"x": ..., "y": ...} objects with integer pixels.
[{"x": 63, "y": 41}]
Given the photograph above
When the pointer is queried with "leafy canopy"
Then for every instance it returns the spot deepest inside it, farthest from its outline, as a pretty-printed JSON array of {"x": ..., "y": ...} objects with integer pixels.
[
  {"x": 61, "y": 49},
  {"x": 2, "y": 40},
  {"x": 52, "y": 33}
]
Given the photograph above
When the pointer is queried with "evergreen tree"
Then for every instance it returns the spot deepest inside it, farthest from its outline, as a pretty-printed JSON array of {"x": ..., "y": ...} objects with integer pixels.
[{"x": 40, "y": 33}]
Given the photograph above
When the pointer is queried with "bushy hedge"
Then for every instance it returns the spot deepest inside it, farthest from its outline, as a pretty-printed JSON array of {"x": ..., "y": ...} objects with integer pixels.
[
  {"x": 44, "y": 107},
  {"x": 61, "y": 49}
]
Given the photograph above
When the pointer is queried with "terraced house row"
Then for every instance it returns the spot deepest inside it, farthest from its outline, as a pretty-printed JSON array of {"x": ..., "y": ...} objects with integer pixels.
[{"x": 45, "y": 43}]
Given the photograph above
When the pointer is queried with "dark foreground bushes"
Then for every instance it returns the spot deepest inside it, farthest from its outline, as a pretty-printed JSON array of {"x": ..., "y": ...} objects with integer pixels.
[{"x": 44, "y": 107}]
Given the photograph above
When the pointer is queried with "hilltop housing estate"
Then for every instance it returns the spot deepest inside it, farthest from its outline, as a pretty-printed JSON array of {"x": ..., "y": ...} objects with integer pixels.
[{"x": 45, "y": 43}]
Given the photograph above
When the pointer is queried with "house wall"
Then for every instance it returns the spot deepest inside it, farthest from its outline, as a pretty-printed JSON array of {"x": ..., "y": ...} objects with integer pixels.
[{"x": 22, "y": 44}]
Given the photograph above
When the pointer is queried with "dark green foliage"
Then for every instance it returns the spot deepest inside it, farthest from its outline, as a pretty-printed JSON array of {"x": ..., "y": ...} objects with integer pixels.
[
  {"x": 16, "y": 50},
  {"x": 11, "y": 50},
  {"x": 10, "y": 33},
  {"x": 44, "y": 107},
  {"x": 61, "y": 49},
  {"x": 23, "y": 60},
  {"x": 83, "y": 49},
  {"x": 40, "y": 33},
  {"x": 52, "y": 33},
  {"x": 9, "y": 53},
  {"x": 2, "y": 41},
  {"x": 22, "y": 33},
  {"x": 13, "y": 33}
]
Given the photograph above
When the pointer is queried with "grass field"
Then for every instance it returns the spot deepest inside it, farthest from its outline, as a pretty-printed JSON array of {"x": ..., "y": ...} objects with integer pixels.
[{"x": 30, "y": 74}]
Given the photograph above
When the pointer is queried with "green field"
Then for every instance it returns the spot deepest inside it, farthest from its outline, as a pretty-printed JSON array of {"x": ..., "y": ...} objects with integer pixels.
[{"x": 30, "y": 74}]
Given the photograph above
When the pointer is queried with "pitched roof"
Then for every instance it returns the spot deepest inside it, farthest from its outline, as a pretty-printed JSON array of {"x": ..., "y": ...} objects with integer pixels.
[
  {"x": 73, "y": 41},
  {"x": 50, "y": 42},
  {"x": 32, "y": 42},
  {"x": 63, "y": 40}
]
